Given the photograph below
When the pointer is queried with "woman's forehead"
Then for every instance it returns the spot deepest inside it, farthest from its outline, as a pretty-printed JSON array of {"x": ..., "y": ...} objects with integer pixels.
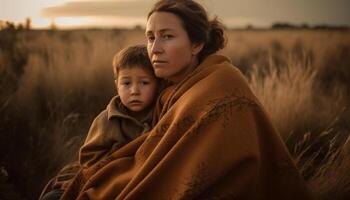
[{"x": 163, "y": 21}]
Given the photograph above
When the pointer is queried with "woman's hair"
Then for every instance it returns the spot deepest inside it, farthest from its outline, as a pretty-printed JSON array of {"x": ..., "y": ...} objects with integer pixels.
[
  {"x": 130, "y": 57},
  {"x": 196, "y": 23}
]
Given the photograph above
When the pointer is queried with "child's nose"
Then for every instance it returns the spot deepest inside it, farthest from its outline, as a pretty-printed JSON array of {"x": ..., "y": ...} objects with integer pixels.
[{"x": 135, "y": 90}]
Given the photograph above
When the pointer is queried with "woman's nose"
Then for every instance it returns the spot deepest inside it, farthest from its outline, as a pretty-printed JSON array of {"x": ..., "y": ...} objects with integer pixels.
[{"x": 157, "y": 47}]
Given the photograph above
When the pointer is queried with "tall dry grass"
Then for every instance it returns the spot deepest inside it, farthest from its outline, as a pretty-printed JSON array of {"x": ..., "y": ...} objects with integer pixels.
[
  {"x": 53, "y": 83},
  {"x": 294, "y": 98},
  {"x": 308, "y": 120}
]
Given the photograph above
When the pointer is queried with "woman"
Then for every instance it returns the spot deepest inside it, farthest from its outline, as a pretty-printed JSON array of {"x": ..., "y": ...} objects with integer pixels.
[{"x": 212, "y": 138}]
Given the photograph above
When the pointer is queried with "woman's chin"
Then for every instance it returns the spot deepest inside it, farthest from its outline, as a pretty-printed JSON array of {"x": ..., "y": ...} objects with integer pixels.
[{"x": 160, "y": 74}]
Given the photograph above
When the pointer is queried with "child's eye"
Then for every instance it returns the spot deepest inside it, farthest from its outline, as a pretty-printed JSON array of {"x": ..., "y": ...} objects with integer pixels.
[
  {"x": 145, "y": 82},
  {"x": 125, "y": 83}
]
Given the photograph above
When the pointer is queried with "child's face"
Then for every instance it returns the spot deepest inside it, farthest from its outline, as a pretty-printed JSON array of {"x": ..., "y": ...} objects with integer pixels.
[{"x": 136, "y": 87}]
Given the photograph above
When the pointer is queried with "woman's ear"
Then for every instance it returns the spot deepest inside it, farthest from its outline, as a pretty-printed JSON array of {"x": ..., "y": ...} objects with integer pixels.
[{"x": 196, "y": 48}]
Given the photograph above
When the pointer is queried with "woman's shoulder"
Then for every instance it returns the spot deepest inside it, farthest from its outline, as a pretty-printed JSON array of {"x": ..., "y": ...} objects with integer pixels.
[
  {"x": 218, "y": 77},
  {"x": 221, "y": 68},
  {"x": 219, "y": 62}
]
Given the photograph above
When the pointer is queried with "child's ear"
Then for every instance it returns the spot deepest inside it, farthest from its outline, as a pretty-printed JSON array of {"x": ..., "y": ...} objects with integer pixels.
[{"x": 116, "y": 84}]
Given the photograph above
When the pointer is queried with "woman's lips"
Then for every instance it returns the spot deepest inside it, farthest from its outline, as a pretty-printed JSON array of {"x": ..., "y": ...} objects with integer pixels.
[{"x": 159, "y": 62}]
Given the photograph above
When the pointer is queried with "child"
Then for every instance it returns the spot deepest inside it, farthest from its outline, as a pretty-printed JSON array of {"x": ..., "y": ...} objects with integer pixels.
[{"x": 128, "y": 115}]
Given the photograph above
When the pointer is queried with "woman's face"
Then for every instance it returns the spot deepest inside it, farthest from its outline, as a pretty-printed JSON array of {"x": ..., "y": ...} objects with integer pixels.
[{"x": 170, "y": 50}]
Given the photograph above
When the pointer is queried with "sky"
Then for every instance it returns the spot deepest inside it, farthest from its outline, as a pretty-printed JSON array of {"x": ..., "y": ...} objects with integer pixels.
[{"x": 129, "y": 13}]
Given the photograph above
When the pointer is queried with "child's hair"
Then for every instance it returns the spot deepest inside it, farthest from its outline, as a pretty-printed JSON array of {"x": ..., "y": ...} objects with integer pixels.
[{"x": 130, "y": 57}]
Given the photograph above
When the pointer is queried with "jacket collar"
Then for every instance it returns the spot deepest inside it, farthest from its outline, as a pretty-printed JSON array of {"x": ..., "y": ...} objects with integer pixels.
[{"x": 115, "y": 108}]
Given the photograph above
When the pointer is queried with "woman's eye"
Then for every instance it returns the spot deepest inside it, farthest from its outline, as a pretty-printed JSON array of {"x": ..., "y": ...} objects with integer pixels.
[
  {"x": 167, "y": 36},
  {"x": 150, "y": 38}
]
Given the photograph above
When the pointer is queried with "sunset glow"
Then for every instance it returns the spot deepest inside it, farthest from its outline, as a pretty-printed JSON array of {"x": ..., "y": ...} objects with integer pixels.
[
  {"x": 18, "y": 10},
  {"x": 129, "y": 13}
]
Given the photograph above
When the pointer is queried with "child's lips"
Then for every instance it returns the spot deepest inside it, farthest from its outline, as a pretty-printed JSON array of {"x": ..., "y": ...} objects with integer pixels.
[{"x": 135, "y": 102}]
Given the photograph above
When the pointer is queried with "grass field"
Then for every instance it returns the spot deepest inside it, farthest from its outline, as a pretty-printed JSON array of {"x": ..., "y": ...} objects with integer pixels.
[{"x": 53, "y": 83}]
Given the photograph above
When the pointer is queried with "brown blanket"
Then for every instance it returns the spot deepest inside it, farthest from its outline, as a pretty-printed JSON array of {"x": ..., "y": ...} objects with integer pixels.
[{"x": 213, "y": 140}]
